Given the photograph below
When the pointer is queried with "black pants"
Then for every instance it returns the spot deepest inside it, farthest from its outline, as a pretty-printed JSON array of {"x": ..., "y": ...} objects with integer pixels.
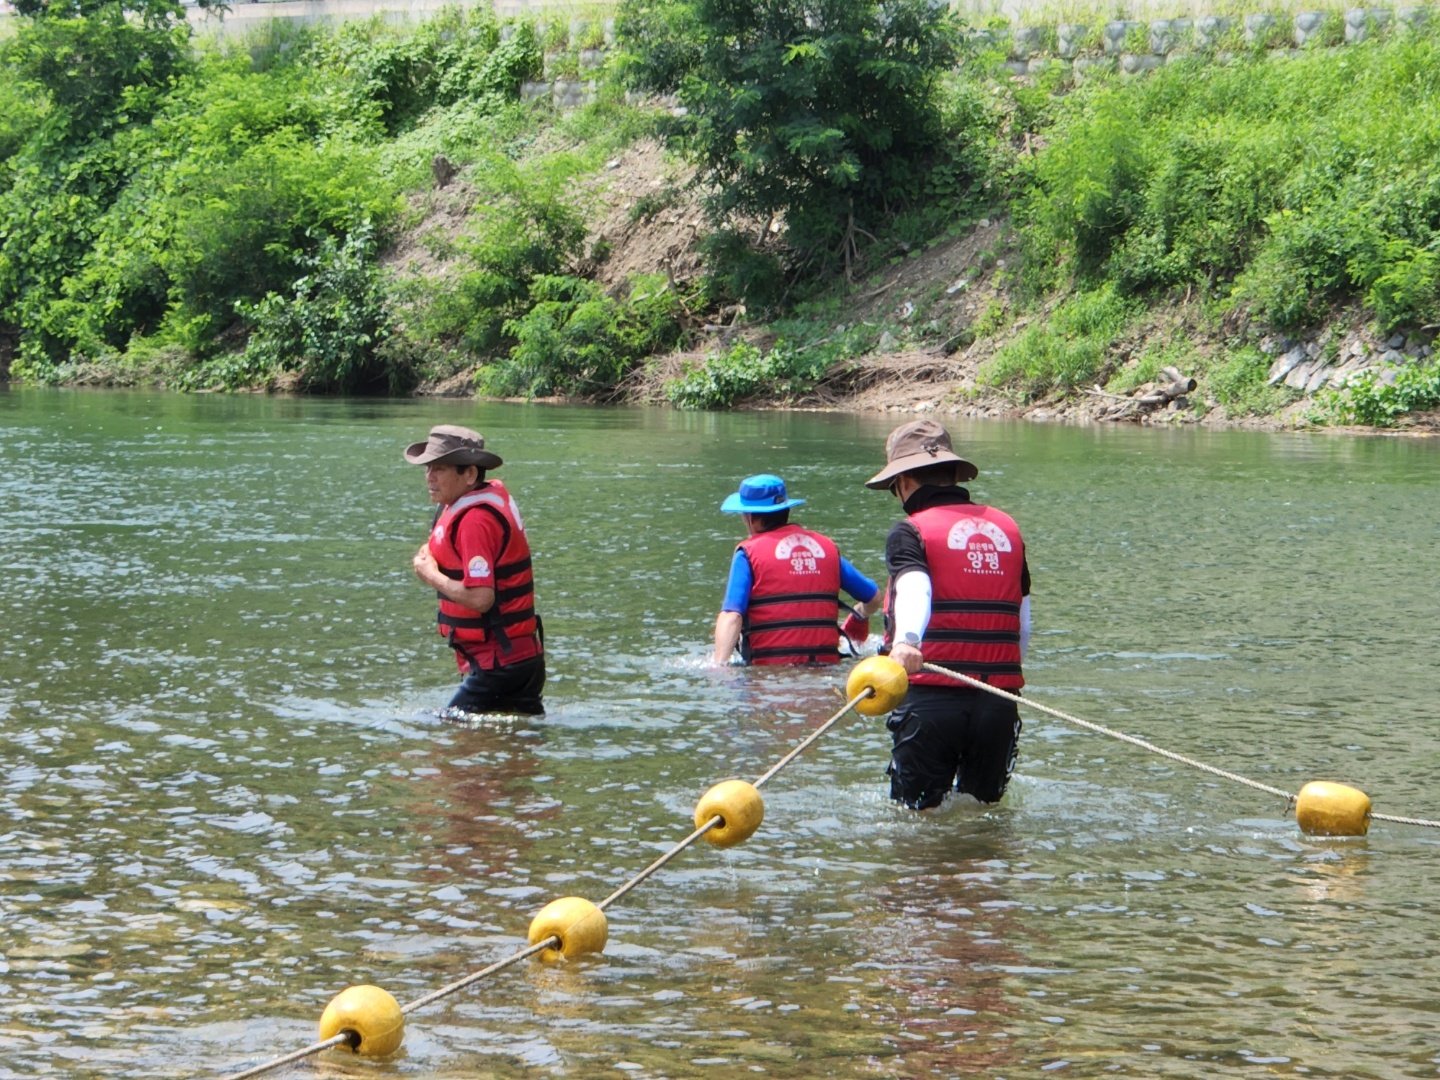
[
  {"x": 514, "y": 688},
  {"x": 962, "y": 738}
]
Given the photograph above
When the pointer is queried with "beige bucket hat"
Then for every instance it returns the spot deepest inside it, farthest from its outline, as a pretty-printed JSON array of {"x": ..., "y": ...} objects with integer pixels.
[
  {"x": 914, "y": 446},
  {"x": 450, "y": 445}
]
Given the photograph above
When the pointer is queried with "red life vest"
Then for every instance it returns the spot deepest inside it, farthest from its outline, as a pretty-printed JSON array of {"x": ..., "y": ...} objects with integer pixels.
[
  {"x": 509, "y": 631},
  {"x": 976, "y": 559},
  {"x": 794, "y": 598}
]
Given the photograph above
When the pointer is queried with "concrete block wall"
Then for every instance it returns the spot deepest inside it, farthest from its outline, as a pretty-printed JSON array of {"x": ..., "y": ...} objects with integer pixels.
[
  {"x": 571, "y": 74},
  {"x": 1134, "y": 46}
]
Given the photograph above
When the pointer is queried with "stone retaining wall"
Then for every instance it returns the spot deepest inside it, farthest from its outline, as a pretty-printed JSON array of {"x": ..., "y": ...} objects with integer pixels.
[
  {"x": 570, "y": 75},
  {"x": 1311, "y": 366},
  {"x": 1134, "y": 46}
]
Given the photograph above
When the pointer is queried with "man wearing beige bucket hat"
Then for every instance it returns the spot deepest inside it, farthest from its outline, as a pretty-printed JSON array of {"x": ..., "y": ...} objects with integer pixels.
[
  {"x": 958, "y": 598},
  {"x": 478, "y": 562}
]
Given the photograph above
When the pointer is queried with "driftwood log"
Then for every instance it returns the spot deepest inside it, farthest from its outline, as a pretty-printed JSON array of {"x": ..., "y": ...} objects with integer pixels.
[{"x": 1150, "y": 397}]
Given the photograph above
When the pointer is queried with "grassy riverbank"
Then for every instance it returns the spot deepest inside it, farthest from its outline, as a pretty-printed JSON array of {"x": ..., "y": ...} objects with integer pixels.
[{"x": 373, "y": 209}]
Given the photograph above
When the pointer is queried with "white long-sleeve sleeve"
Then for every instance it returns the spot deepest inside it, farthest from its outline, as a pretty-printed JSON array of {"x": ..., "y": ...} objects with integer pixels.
[
  {"x": 1024, "y": 627},
  {"x": 912, "y": 604}
]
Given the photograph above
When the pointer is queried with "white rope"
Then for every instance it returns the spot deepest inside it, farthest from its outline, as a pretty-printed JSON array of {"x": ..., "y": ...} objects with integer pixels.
[
  {"x": 1133, "y": 741},
  {"x": 1102, "y": 730}
]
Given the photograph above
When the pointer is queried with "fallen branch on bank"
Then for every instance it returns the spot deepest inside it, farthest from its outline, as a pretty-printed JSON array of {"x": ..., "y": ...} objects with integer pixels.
[{"x": 1145, "y": 398}]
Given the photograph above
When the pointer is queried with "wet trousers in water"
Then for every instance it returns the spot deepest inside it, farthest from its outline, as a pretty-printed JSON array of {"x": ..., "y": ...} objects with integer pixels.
[
  {"x": 961, "y": 738},
  {"x": 514, "y": 688}
]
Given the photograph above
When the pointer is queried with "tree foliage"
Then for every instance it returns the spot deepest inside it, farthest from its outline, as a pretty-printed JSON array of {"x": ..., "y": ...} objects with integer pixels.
[
  {"x": 155, "y": 197},
  {"x": 824, "y": 111},
  {"x": 1257, "y": 182},
  {"x": 101, "y": 61},
  {"x": 330, "y": 329}
]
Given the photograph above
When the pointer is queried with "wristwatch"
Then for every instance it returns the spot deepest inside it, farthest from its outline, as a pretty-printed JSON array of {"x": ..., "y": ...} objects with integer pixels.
[{"x": 910, "y": 638}]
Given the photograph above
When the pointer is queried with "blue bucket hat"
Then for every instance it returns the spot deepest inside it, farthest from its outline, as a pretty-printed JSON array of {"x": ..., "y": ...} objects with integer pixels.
[{"x": 763, "y": 494}]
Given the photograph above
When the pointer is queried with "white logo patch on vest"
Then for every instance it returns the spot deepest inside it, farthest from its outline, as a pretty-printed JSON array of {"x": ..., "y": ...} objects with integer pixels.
[
  {"x": 982, "y": 541},
  {"x": 478, "y": 567},
  {"x": 803, "y": 553},
  {"x": 438, "y": 533}
]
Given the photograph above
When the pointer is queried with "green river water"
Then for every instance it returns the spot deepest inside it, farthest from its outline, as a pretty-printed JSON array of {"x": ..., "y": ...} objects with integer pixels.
[{"x": 225, "y": 796}]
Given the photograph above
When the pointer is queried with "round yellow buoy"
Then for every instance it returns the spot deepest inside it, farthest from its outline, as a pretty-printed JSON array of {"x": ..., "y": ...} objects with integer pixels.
[
  {"x": 371, "y": 1013},
  {"x": 1326, "y": 809},
  {"x": 882, "y": 675},
  {"x": 580, "y": 925},
  {"x": 741, "y": 807}
]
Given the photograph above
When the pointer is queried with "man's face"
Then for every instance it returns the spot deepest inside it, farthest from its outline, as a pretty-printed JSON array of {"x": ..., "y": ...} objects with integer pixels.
[{"x": 447, "y": 482}]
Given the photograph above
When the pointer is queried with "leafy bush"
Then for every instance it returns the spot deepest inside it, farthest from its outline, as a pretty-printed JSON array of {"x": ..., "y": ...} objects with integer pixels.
[
  {"x": 1404, "y": 283},
  {"x": 745, "y": 371},
  {"x": 456, "y": 55},
  {"x": 737, "y": 270},
  {"x": 575, "y": 340},
  {"x": 1066, "y": 351},
  {"x": 328, "y": 332},
  {"x": 1240, "y": 384},
  {"x": 528, "y": 226},
  {"x": 1369, "y": 399},
  {"x": 150, "y": 200},
  {"x": 1241, "y": 180},
  {"x": 512, "y": 63},
  {"x": 663, "y": 42},
  {"x": 100, "y": 64}
]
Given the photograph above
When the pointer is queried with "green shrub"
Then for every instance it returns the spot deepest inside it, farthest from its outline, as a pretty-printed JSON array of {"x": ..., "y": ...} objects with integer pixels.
[
  {"x": 512, "y": 63},
  {"x": 526, "y": 225},
  {"x": 1066, "y": 351},
  {"x": 20, "y": 114},
  {"x": 454, "y": 56},
  {"x": 181, "y": 188},
  {"x": 1243, "y": 181},
  {"x": 735, "y": 269},
  {"x": 745, "y": 371},
  {"x": 828, "y": 115},
  {"x": 327, "y": 332},
  {"x": 1239, "y": 383},
  {"x": 577, "y": 341},
  {"x": 1404, "y": 283},
  {"x": 1371, "y": 400}
]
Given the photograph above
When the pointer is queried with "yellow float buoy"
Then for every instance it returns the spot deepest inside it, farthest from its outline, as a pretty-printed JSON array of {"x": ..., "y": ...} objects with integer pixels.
[
  {"x": 883, "y": 676},
  {"x": 371, "y": 1013},
  {"x": 738, "y": 804},
  {"x": 1326, "y": 809},
  {"x": 580, "y": 925}
]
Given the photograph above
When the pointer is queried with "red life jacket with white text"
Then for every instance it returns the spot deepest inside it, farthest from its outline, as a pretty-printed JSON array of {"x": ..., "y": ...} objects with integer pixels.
[
  {"x": 794, "y": 598},
  {"x": 509, "y": 631},
  {"x": 976, "y": 559}
]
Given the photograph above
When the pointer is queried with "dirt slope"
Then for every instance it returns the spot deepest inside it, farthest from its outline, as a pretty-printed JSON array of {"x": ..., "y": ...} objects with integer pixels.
[{"x": 939, "y": 313}]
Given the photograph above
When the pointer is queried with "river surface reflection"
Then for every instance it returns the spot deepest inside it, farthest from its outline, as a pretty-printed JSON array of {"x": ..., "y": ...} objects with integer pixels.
[{"x": 226, "y": 797}]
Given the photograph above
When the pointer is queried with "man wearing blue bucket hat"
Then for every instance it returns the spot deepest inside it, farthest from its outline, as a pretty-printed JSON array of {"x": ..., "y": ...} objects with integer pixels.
[{"x": 783, "y": 595}]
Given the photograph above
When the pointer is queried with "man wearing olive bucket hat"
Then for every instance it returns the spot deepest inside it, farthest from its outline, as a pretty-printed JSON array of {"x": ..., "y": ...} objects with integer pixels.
[
  {"x": 959, "y": 598},
  {"x": 478, "y": 562},
  {"x": 784, "y": 590}
]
